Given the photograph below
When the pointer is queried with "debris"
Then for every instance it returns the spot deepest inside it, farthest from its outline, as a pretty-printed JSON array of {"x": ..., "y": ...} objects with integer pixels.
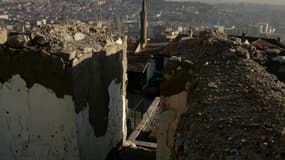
[
  {"x": 87, "y": 50},
  {"x": 79, "y": 36},
  {"x": 242, "y": 52},
  {"x": 235, "y": 94},
  {"x": 65, "y": 38},
  {"x": 283, "y": 132},
  {"x": 213, "y": 85}
]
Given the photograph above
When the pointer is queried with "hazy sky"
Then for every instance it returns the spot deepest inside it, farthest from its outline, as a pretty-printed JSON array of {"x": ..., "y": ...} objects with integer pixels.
[{"x": 276, "y": 2}]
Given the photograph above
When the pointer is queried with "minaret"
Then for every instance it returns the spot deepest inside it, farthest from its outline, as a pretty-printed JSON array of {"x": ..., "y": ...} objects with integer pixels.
[{"x": 144, "y": 25}]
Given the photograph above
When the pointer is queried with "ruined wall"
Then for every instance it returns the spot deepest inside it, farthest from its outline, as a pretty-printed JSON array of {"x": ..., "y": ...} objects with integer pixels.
[
  {"x": 62, "y": 100},
  {"x": 236, "y": 107},
  {"x": 175, "y": 89},
  {"x": 102, "y": 83},
  {"x": 150, "y": 70},
  {"x": 35, "y": 124}
]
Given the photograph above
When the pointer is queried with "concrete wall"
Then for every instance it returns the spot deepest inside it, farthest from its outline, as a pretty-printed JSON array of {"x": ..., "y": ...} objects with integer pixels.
[
  {"x": 92, "y": 147},
  {"x": 100, "y": 101},
  {"x": 150, "y": 70},
  {"x": 175, "y": 89},
  {"x": 35, "y": 124}
]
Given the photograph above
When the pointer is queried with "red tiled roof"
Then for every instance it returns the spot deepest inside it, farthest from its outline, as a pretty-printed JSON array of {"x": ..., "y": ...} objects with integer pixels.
[{"x": 263, "y": 44}]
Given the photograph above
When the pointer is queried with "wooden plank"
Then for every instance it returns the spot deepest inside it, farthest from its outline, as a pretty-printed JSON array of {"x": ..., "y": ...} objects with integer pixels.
[
  {"x": 149, "y": 113},
  {"x": 145, "y": 144}
]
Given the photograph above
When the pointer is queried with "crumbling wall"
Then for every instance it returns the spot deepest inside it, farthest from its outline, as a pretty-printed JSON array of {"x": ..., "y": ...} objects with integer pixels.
[
  {"x": 35, "y": 123},
  {"x": 236, "y": 108},
  {"x": 175, "y": 100},
  {"x": 100, "y": 99},
  {"x": 72, "y": 84}
]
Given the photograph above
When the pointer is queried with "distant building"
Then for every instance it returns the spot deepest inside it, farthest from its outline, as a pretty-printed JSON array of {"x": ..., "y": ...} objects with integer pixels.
[
  {"x": 219, "y": 28},
  {"x": 4, "y": 16}
]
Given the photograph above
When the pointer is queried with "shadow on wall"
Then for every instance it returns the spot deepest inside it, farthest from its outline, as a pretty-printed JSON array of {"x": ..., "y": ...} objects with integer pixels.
[
  {"x": 96, "y": 84},
  {"x": 36, "y": 67},
  {"x": 177, "y": 85},
  {"x": 91, "y": 79},
  {"x": 88, "y": 81}
]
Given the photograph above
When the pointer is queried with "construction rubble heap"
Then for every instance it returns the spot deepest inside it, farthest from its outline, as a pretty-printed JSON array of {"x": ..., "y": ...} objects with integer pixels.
[{"x": 236, "y": 107}]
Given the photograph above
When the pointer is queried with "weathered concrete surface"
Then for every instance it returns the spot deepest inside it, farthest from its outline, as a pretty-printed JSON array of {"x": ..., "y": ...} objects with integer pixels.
[
  {"x": 35, "y": 124},
  {"x": 100, "y": 98},
  {"x": 91, "y": 71},
  {"x": 164, "y": 152},
  {"x": 93, "y": 76},
  {"x": 36, "y": 66},
  {"x": 175, "y": 87},
  {"x": 92, "y": 147},
  {"x": 3, "y": 35}
]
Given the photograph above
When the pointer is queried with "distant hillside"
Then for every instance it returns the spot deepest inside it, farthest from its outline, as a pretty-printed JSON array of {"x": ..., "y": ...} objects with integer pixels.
[{"x": 273, "y": 2}]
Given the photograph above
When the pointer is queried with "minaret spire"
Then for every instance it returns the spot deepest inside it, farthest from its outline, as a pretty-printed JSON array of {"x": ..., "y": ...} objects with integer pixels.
[{"x": 144, "y": 25}]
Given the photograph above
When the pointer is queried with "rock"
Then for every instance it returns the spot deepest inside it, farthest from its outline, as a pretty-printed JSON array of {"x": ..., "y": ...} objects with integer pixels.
[
  {"x": 87, "y": 50},
  {"x": 213, "y": 85},
  {"x": 236, "y": 41},
  {"x": 242, "y": 52},
  {"x": 33, "y": 35},
  {"x": 67, "y": 37},
  {"x": 119, "y": 41},
  {"x": 40, "y": 40},
  {"x": 229, "y": 53},
  {"x": 283, "y": 132},
  {"x": 79, "y": 36},
  {"x": 3, "y": 35}
]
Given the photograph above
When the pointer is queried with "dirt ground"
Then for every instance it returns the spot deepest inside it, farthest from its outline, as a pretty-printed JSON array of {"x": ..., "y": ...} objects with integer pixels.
[{"x": 237, "y": 109}]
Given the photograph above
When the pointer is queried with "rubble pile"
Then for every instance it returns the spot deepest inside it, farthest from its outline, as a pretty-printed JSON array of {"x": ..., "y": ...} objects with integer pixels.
[
  {"x": 237, "y": 108},
  {"x": 73, "y": 39},
  {"x": 67, "y": 40}
]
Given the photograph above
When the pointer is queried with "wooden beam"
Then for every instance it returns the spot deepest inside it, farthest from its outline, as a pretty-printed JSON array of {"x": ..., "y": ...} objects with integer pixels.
[
  {"x": 149, "y": 114},
  {"x": 145, "y": 144}
]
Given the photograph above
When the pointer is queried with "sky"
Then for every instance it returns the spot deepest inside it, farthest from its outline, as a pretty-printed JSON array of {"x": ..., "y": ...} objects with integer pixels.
[{"x": 275, "y": 2}]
